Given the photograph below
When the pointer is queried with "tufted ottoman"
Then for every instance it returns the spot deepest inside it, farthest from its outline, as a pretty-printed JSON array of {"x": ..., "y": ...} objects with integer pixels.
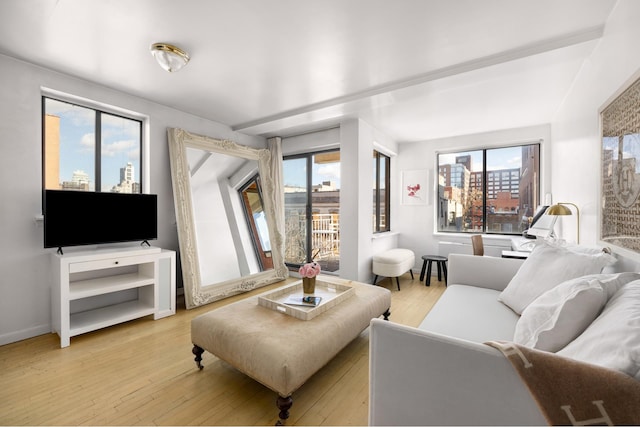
[
  {"x": 281, "y": 351},
  {"x": 393, "y": 263}
]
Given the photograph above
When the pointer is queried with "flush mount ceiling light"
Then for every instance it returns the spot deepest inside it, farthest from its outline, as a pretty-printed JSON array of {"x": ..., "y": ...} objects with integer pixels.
[{"x": 170, "y": 57}]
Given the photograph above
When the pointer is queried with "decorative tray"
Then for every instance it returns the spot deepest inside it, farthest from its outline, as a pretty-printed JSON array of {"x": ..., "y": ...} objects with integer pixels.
[{"x": 331, "y": 294}]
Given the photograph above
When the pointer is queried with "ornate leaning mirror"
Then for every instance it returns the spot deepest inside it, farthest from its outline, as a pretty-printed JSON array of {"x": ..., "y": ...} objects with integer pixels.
[{"x": 227, "y": 210}]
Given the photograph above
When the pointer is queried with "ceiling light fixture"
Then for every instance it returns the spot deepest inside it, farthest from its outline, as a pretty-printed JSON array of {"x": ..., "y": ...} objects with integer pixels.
[{"x": 170, "y": 57}]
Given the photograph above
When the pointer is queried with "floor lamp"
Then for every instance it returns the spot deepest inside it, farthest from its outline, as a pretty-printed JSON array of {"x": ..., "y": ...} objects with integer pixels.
[{"x": 559, "y": 209}]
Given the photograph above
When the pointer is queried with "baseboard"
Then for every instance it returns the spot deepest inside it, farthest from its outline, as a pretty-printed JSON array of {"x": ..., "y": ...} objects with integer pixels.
[
  {"x": 164, "y": 313},
  {"x": 24, "y": 334}
]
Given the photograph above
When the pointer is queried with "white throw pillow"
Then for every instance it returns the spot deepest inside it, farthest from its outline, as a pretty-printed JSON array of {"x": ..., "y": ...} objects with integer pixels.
[
  {"x": 562, "y": 313},
  {"x": 559, "y": 243},
  {"x": 548, "y": 266},
  {"x": 613, "y": 339},
  {"x": 611, "y": 283}
]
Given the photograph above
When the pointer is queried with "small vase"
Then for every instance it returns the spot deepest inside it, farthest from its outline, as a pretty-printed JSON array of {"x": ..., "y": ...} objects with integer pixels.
[{"x": 308, "y": 285}]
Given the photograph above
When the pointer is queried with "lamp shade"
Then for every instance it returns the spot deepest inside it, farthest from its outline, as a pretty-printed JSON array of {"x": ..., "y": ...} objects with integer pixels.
[
  {"x": 170, "y": 57},
  {"x": 558, "y": 209},
  {"x": 561, "y": 209}
]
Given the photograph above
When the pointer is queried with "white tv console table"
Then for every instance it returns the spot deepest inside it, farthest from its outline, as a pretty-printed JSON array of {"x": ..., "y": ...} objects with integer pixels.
[{"x": 99, "y": 288}]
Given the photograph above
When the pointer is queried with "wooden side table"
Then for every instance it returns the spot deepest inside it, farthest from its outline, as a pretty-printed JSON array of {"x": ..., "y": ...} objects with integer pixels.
[{"x": 441, "y": 263}]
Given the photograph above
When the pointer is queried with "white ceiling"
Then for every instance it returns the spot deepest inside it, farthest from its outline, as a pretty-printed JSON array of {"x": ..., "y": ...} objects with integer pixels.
[{"x": 415, "y": 69}]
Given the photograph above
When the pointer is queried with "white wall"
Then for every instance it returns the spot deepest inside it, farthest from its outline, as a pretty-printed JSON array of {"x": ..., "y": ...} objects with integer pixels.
[
  {"x": 576, "y": 147},
  {"x": 215, "y": 240},
  {"x": 24, "y": 264},
  {"x": 416, "y": 223},
  {"x": 357, "y": 241}
]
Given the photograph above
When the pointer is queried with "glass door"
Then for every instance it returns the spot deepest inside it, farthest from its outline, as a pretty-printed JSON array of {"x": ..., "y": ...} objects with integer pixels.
[{"x": 312, "y": 209}]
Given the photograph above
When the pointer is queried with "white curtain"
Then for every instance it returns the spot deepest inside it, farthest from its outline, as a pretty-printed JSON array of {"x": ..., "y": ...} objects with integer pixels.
[{"x": 275, "y": 148}]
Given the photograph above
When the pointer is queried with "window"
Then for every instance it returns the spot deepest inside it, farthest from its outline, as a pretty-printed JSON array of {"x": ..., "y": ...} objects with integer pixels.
[
  {"x": 497, "y": 189},
  {"x": 86, "y": 149},
  {"x": 312, "y": 209},
  {"x": 381, "y": 196}
]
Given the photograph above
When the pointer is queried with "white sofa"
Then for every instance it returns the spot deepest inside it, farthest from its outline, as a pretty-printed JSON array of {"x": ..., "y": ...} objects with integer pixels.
[{"x": 442, "y": 373}]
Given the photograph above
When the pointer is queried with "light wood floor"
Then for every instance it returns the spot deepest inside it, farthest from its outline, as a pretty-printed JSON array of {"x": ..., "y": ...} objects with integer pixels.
[{"x": 142, "y": 373}]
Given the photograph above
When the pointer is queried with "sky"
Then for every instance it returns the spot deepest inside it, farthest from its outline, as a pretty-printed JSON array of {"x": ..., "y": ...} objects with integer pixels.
[
  {"x": 120, "y": 143},
  {"x": 500, "y": 158},
  {"x": 295, "y": 173}
]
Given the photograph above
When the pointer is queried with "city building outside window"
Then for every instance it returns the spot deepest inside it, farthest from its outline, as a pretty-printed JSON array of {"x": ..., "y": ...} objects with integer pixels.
[
  {"x": 312, "y": 209},
  {"x": 493, "y": 190},
  {"x": 86, "y": 149}
]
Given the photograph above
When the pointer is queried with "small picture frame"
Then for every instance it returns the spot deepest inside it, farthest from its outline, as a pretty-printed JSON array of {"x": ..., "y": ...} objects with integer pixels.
[{"x": 415, "y": 187}]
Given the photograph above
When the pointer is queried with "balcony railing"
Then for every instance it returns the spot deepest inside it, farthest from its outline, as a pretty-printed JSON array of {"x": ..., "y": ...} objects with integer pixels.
[{"x": 325, "y": 239}]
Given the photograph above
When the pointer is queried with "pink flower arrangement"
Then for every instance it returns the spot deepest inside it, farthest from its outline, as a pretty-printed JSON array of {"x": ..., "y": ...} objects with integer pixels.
[{"x": 309, "y": 270}]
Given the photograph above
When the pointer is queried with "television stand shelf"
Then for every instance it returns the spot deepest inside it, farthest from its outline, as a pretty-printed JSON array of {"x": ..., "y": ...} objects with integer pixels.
[{"x": 100, "y": 288}]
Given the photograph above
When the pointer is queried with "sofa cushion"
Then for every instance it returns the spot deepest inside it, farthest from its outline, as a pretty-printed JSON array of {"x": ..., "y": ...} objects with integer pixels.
[
  {"x": 612, "y": 282},
  {"x": 471, "y": 313},
  {"x": 559, "y": 315},
  {"x": 546, "y": 267},
  {"x": 613, "y": 338}
]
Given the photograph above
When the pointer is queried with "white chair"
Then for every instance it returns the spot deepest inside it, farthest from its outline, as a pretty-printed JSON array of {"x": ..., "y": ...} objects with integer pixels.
[{"x": 393, "y": 263}]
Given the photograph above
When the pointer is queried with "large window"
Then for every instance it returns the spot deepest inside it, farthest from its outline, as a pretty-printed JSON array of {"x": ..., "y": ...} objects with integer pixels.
[
  {"x": 381, "y": 167},
  {"x": 86, "y": 149},
  {"x": 312, "y": 209},
  {"x": 491, "y": 190}
]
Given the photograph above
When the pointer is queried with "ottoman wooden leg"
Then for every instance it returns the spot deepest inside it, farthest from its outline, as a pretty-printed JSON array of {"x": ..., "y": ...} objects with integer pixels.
[
  {"x": 197, "y": 351},
  {"x": 283, "y": 403}
]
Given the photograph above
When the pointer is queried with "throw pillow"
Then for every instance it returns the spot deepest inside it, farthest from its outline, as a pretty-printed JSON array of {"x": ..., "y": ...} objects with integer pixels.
[
  {"x": 548, "y": 266},
  {"x": 613, "y": 339},
  {"x": 559, "y": 315},
  {"x": 611, "y": 283}
]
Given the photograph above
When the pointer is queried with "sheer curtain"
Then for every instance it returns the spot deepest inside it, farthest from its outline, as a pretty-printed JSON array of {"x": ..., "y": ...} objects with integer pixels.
[{"x": 275, "y": 148}]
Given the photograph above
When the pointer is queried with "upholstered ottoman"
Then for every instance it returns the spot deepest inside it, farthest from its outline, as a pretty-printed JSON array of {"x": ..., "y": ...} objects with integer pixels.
[
  {"x": 279, "y": 350},
  {"x": 393, "y": 263}
]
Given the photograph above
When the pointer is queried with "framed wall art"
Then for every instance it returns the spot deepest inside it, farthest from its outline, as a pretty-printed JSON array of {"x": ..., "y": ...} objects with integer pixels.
[
  {"x": 620, "y": 177},
  {"x": 415, "y": 187}
]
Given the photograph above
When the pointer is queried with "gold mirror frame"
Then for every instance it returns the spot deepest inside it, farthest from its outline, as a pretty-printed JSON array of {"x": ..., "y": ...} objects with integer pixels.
[{"x": 197, "y": 293}]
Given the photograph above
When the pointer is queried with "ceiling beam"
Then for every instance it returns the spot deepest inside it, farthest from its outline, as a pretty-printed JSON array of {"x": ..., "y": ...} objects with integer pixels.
[{"x": 271, "y": 123}]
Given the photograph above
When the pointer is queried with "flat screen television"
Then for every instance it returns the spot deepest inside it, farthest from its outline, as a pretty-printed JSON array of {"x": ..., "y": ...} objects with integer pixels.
[{"x": 75, "y": 218}]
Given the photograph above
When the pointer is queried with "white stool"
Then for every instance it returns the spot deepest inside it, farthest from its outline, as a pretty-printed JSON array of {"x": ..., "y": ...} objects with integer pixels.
[{"x": 393, "y": 263}]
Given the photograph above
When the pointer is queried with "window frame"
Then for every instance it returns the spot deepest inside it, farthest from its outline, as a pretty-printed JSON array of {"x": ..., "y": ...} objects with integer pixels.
[
  {"x": 308, "y": 157},
  {"x": 378, "y": 157},
  {"x": 99, "y": 110},
  {"x": 493, "y": 183}
]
